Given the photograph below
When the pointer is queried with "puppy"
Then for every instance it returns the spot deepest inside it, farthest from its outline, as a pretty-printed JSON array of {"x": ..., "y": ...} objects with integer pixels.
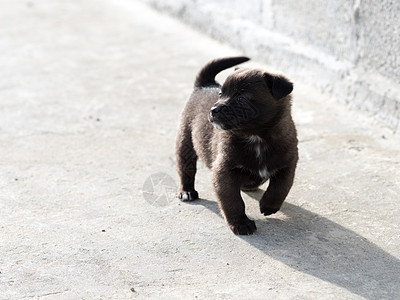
[{"x": 243, "y": 131}]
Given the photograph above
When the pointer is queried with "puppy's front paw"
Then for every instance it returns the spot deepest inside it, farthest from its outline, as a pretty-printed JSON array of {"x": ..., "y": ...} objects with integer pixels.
[
  {"x": 267, "y": 209},
  {"x": 188, "y": 195},
  {"x": 244, "y": 227}
]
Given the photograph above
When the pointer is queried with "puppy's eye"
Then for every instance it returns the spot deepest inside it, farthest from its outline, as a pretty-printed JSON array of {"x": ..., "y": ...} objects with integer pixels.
[{"x": 220, "y": 94}]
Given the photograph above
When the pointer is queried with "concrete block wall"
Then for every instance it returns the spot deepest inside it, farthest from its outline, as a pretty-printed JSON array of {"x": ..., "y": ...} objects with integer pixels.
[{"x": 349, "y": 49}]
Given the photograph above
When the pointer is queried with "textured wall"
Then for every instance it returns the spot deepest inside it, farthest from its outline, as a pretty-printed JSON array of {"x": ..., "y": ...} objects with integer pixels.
[
  {"x": 349, "y": 49},
  {"x": 379, "y": 46}
]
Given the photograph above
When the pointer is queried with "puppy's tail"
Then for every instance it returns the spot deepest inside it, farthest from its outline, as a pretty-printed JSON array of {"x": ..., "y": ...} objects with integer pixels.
[{"x": 206, "y": 76}]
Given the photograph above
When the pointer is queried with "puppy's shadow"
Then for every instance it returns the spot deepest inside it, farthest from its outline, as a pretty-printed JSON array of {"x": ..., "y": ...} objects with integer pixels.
[{"x": 317, "y": 246}]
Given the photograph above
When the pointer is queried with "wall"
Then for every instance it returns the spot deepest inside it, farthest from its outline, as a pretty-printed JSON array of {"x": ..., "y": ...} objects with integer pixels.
[{"x": 349, "y": 49}]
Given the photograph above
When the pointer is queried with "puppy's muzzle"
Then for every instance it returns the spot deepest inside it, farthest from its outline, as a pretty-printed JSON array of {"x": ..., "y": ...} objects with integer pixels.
[
  {"x": 215, "y": 116},
  {"x": 215, "y": 110},
  {"x": 216, "y": 113}
]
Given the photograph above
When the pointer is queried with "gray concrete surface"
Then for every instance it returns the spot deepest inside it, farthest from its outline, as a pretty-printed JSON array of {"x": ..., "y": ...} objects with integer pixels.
[
  {"x": 90, "y": 95},
  {"x": 348, "y": 49}
]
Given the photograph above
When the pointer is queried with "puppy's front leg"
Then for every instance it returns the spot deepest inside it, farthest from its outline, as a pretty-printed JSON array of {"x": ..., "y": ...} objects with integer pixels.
[
  {"x": 227, "y": 187},
  {"x": 278, "y": 189}
]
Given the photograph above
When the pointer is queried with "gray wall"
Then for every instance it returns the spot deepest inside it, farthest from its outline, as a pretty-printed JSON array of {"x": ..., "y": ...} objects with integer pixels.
[{"x": 349, "y": 49}]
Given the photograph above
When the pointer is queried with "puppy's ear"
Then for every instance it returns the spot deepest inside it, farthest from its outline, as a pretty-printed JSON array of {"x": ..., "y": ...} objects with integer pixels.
[{"x": 279, "y": 86}]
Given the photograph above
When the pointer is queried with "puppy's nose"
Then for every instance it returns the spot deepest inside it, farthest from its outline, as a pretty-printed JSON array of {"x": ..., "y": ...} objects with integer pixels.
[{"x": 215, "y": 109}]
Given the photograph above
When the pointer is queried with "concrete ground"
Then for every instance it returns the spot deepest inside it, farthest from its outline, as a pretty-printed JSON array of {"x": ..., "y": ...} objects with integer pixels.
[{"x": 90, "y": 97}]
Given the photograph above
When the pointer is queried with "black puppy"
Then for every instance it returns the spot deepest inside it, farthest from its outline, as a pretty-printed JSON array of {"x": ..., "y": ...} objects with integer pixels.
[{"x": 244, "y": 132}]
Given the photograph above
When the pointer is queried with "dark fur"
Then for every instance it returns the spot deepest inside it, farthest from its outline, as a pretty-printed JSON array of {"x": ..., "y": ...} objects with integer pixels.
[{"x": 256, "y": 139}]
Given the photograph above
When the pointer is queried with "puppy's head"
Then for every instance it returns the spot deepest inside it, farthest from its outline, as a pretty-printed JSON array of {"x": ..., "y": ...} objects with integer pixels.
[{"x": 250, "y": 99}]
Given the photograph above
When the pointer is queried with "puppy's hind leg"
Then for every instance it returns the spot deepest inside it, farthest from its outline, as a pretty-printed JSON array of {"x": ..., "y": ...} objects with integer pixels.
[{"x": 186, "y": 160}]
